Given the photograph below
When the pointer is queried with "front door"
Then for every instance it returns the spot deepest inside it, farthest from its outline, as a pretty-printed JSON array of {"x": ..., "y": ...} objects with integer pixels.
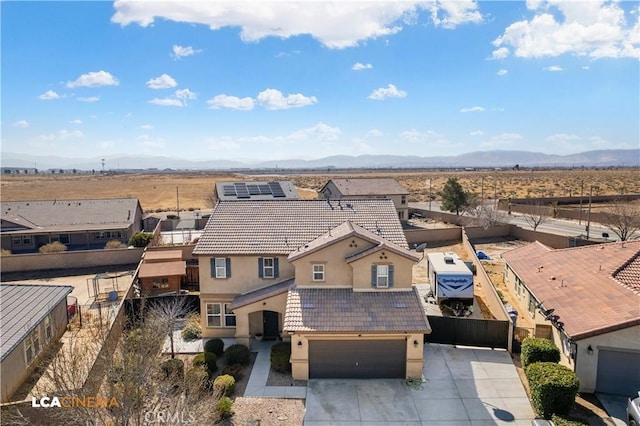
[{"x": 271, "y": 324}]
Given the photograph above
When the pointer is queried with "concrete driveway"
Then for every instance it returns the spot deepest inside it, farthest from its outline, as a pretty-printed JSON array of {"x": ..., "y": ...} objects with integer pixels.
[{"x": 463, "y": 386}]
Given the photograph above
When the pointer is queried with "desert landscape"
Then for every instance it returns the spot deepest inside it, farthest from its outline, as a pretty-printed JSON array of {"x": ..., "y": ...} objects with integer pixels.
[{"x": 163, "y": 191}]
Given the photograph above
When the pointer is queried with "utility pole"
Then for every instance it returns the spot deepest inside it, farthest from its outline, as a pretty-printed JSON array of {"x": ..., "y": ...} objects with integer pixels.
[
  {"x": 177, "y": 202},
  {"x": 581, "y": 190},
  {"x": 482, "y": 192},
  {"x": 589, "y": 211},
  {"x": 429, "y": 194},
  {"x": 495, "y": 192}
]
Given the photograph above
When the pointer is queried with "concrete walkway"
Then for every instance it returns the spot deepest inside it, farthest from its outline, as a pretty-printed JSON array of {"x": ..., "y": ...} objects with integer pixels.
[{"x": 257, "y": 386}]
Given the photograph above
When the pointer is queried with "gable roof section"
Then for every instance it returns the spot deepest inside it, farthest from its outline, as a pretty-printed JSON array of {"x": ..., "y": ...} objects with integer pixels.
[
  {"x": 368, "y": 186},
  {"x": 579, "y": 284},
  {"x": 162, "y": 269},
  {"x": 344, "y": 310},
  {"x": 70, "y": 215},
  {"x": 629, "y": 274},
  {"x": 22, "y": 308},
  {"x": 281, "y": 226},
  {"x": 262, "y": 293},
  {"x": 347, "y": 230}
]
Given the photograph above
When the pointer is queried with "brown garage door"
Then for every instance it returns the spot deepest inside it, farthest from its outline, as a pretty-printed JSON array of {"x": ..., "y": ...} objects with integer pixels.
[
  {"x": 358, "y": 359},
  {"x": 618, "y": 372}
]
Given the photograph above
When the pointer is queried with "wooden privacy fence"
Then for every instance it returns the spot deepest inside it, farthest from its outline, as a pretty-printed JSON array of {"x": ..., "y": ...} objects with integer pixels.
[{"x": 484, "y": 333}]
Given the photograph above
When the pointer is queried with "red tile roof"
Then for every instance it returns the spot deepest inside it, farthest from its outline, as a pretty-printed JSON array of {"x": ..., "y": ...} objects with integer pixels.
[{"x": 591, "y": 288}]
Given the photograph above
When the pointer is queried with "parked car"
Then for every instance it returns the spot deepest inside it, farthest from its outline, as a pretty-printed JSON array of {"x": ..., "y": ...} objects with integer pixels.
[{"x": 633, "y": 411}]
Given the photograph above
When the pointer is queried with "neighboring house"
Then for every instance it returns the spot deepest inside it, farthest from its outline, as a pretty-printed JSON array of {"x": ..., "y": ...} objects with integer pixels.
[
  {"x": 368, "y": 188},
  {"x": 32, "y": 317},
  {"x": 335, "y": 278},
  {"x": 590, "y": 298},
  {"x": 78, "y": 224},
  {"x": 273, "y": 190},
  {"x": 161, "y": 272}
]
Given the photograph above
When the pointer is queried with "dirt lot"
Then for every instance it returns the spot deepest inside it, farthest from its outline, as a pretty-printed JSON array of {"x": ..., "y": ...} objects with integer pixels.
[{"x": 163, "y": 191}]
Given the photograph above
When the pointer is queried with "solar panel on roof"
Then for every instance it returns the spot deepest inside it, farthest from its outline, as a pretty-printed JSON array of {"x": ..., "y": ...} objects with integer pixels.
[
  {"x": 276, "y": 189},
  {"x": 253, "y": 189},
  {"x": 264, "y": 189}
]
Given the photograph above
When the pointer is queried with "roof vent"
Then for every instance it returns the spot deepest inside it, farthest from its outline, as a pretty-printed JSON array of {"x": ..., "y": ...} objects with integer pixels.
[
  {"x": 449, "y": 260},
  {"x": 401, "y": 305},
  {"x": 308, "y": 306}
]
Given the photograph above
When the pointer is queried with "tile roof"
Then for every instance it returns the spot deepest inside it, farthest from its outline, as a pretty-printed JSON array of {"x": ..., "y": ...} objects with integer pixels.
[
  {"x": 261, "y": 293},
  {"x": 344, "y": 310},
  {"x": 579, "y": 284},
  {"x": 347, "y": 230},
  {"x": 70, "y": 215},
  {"x": 369, "y": 186},
  {"x": 267, "y": 190},
  {"x": 629, "y": 273},
  {"x": 22, "y": 308},
  {"x": 281, "y": 226},
  {"x": 162, "y": 269}
]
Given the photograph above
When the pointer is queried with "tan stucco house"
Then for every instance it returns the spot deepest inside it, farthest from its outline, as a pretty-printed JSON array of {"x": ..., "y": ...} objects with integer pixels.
[
  {"x": 32, "y": 317},
  {"x": 161, "y": 272},
  {"x": 587, "y": 300},
  {"x": 334, "y": 279},
  {"x": 368, "y": 188}
]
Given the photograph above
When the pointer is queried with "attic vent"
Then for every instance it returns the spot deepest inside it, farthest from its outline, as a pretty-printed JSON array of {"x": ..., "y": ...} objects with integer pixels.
[
  {"x": 401, "y": 305},
  {"x": 308, "y": 306},
  {"x": 448, "y": 260}
]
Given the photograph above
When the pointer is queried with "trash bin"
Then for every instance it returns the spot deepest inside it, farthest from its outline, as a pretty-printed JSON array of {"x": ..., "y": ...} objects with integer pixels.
[{"x": 113, "y": 296}]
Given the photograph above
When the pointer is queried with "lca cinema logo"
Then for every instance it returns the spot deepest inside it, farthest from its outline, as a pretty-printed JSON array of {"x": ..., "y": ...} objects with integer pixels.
[{"x": 75, "y": 402}]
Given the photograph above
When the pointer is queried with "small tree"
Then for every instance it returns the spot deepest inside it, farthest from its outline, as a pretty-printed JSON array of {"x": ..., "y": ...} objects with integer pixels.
[
  {"x": 535, "y": 215},
  {"x": 454, "y": 198},
  {"x": 623, "y": 219},
  {"x": 487, "y": 216},
  {"x": 140, "y": 239},
  {"x": 167, "y": 313}
]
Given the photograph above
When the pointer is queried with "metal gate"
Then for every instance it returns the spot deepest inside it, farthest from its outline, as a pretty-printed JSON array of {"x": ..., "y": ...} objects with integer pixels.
[{"x": 468, "y": 332}]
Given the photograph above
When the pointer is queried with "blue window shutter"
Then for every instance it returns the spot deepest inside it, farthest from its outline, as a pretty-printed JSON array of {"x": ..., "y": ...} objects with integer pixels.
[
  {"x": 390, "y": 276},
  {"x": 228, "y": 264},
  {"x": 260, "y": 267},
  {"x": 213, "y": 267},
  {"x": 374, "y": 276},
  {"x": 276, "y": 272}
]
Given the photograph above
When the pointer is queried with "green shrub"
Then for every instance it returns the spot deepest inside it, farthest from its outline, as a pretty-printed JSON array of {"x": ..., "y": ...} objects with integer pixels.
[
  {"x": 235, "y": 370},
  {"x": 223, "y": 386},
  {"x": 197, "y": 378},
  {"x": 280, "y": 355},
  {"x": 214, "y": 345},
  {"x": 207, "y": 360},
  {"x": 173, "y": 368},
  {"x": 538, "y": 350},
  {"x": 564, "y": 421},
  {"x": 553, "y": 388},
  {"x": 192, "y": 331},
  {"x": 140, "y": 239},
  {"x": 54, "y": 247},
  {"x": 237, "y": 354},
  {"x": 224, "y": 407},
  {"x": 114, "y": 244}
]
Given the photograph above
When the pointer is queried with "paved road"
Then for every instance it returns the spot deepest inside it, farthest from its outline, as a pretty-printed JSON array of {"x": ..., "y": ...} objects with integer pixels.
[{"x": 550, "y": 225}]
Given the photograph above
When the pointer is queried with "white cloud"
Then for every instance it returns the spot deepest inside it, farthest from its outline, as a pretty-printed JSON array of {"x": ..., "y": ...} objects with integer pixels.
[
  {"x": 553, "y": 68},
  {"x": 183, "y": 51},
  {"x": 595, "y": 29},
  {"x": 94, "y": 79},
  {"x": 166, "y": 102},
  {"x": 76, "y": 121},
  {"x": 165, "y": 81},
  {"x": 231, "y": 102},
  {"x": 149, "y": 142},
  {"x": 391, "y": 91},
  {"x": 502, "y": 72},
  {"x": 476, "y": 133},
  {"x": 61, "y": 135},
  {"x": 507, "y": 137},
  {"x": 414, "y": 135},
  {"x": 375, "y": 133},
  {"x": 320, "y": 131},
  {"x": 146, "y": 127},
  {"x": 586, "y": 67},
  {"x": 562, "y": 138},
  {"x": 274, "y": 99},
  {"x": 473, "y": 109},
  {"x": 359, "y": 67},
  {"x": 186, "y": 94},
  {"x": 500, "y": 53},
  {"x": 335, "y": 25},
  {"x": 89, "y": 99},
  {"x": 22, "y": 124},
  {"x": 49, "y": 95}
]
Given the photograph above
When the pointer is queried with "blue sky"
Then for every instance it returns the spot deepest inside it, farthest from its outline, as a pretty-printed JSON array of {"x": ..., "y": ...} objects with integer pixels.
[{"x": 276, "y": 80}]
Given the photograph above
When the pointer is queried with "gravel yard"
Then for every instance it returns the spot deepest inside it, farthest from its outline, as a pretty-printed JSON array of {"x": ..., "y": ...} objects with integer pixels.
[{"x": 266, "y": 412}]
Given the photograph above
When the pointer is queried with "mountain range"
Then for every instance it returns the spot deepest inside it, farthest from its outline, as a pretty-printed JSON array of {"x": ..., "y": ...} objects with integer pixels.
[{"x": 480, "y": 159}]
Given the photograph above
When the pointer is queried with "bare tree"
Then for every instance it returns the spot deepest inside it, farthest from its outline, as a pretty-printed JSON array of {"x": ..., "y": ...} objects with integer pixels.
[
  {"x": 487, "y": 216},
  {"x": 169, "y": 312},
  {"x": 536, "y": 214},
  {"x": 623, "y": 219}
]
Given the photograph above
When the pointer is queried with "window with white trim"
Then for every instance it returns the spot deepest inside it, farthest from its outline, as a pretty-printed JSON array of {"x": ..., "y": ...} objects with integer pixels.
[
  {"x": 318, "y": 272},
  {"x": 221, "y": 267},
  {"x": 48, "y": 330},
  {"x": 267, "y": 267},
  {"x": 21, "y": 240},
  {"x": 403, "y": 199},
  {"x": 220, "y": 315},
  {"x": 382, "y": 278},
  {"x": 32, "y": 345}
]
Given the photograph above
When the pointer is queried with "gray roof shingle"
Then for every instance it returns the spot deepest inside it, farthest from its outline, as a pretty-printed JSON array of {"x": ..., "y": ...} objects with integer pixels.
[
  {"x": 344, "y": 310},
  {"x": 369, "y": 186},
  {"x": 262, "y": 293},
  {"x": 22, "y": 308},
  {"x": 70, "y": 215},
  {"x": 280, "y": 227}
]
